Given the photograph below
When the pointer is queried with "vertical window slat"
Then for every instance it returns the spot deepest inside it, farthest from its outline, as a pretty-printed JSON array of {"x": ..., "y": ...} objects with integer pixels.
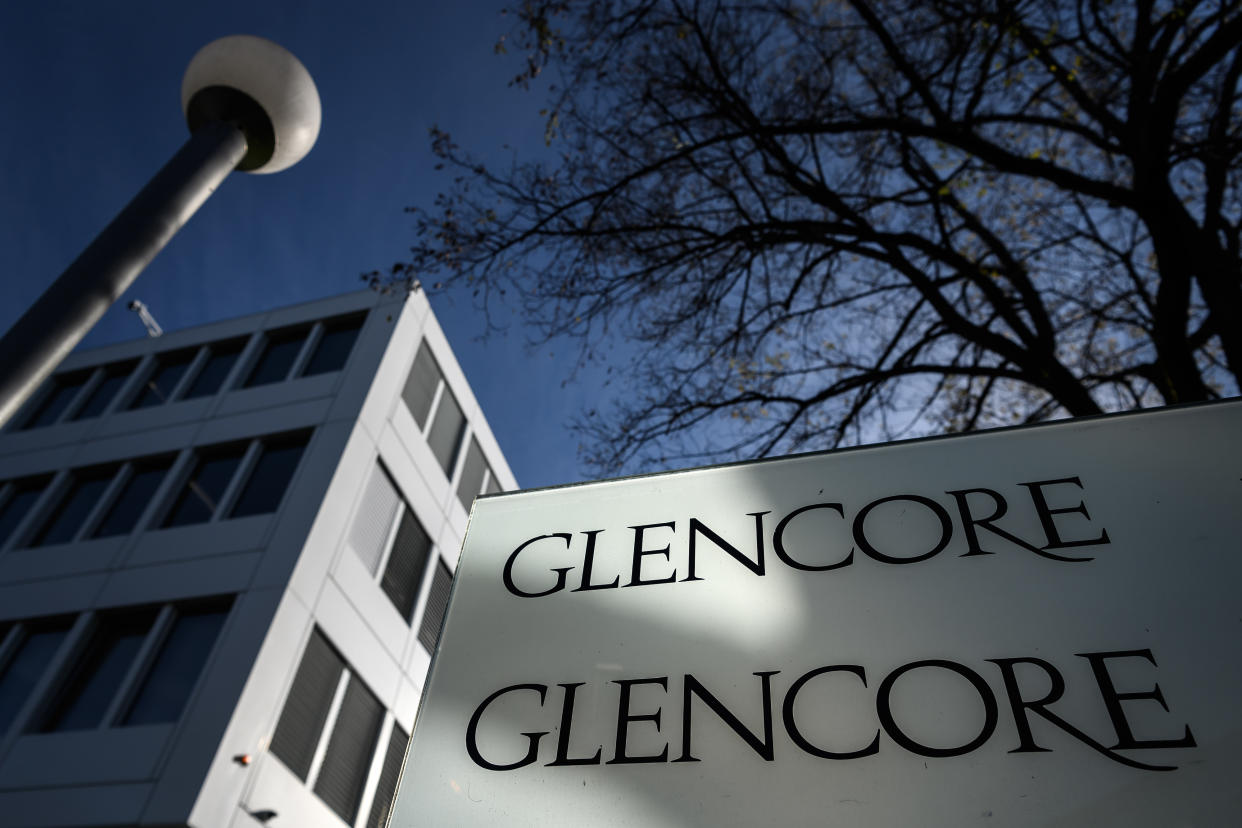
[
  {"x": 373, "y": 523},
  {"x": 446, "y": 431},
  {"x": 472, "y": 472},
  {"x": 421, "y": 384},
  {"x": 404, "y": 573},
  {"x": 348, "y": 758},
  {"x": 437, "y": 603},
  {"x": 301, "y": 722},
  {"x": 390, "y": 774}
]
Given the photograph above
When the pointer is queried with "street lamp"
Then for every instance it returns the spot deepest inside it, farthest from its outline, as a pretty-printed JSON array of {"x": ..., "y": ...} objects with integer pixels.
[{"x": 250, "y": 105}]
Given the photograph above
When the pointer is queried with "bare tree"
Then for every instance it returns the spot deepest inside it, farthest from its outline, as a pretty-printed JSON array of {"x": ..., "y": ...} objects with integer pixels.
[{"x": 829, "y": 222}]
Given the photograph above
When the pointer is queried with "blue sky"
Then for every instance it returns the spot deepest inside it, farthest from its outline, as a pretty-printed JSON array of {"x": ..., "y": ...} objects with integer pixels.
[{"x": 91, "y": 109}]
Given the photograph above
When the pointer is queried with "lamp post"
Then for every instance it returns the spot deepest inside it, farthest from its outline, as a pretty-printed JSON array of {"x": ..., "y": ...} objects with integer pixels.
[{"x": 251, "y": 106}]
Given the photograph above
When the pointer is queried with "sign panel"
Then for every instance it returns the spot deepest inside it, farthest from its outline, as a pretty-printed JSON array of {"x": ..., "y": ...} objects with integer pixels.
[{"x": 1037, "y": 626}]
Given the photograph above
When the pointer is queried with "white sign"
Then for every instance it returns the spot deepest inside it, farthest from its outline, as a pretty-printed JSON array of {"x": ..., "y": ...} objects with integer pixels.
[{"x": 1039, "y": 626}]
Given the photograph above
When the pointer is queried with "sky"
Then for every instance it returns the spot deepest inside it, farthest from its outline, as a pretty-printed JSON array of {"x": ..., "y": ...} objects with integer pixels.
[{"x": 90, "y": 109}]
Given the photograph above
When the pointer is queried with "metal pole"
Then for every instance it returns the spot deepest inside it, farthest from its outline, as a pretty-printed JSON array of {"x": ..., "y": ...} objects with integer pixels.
[{"x": 67, "y": 310}]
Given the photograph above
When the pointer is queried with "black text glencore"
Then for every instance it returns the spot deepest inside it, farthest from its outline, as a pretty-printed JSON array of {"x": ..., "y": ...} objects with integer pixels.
[
  {"x": 979, "y": 510},
  {"x": 640, "y": 702},
  {"x": 539, "y": 711}
]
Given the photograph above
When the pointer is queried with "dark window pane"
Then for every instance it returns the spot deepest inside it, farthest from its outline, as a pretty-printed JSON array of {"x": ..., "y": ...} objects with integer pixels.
[
  {"x": 493, "y": 485},
  {"x": 270, "y": 478},
  {"x": 306, "y": 709},
  {"x": 163, "y": 693},
  {"x": 437, "y": 603},
  {"x": 215, "y": 370},
  {"x": 99, "y": 399},
  {"x": 446, "y": 431},
  {"x": 404, "y": 572},
  {"x": 159, "y": 387},
  {"x": 94, "y": 684},
  {"x": 390, "y": 772},
  {"x": 281, "y": 350},
  {"x": 25, "y": 669},
  {"x": 421, "y": 384},
  {"x": 334, "y": 346},
  {"x": 22, "y": 497},
  {"x": 348, "y": 757},
  {"x": 133, "y": 499},
  {"x": 63, "y": 391},
  {"x": 67, "y": 517},
  {"x": 201, "y": 495},
  {"x": 472, "y": 472}
]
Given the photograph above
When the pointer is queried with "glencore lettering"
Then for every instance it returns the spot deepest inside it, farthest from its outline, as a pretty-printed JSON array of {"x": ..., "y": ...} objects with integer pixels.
[{"x": 667, "y": 552}]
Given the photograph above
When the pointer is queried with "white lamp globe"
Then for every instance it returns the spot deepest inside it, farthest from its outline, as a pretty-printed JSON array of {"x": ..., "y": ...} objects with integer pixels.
[{"x": 260, "y": 87}]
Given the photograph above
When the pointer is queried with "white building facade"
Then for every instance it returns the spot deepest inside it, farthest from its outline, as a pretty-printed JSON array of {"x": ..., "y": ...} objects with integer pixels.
[{"x": 225, "y": 556}]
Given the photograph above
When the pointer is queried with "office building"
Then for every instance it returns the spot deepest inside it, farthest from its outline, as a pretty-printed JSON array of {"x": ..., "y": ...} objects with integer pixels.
[{"x": 225, "y": 555}]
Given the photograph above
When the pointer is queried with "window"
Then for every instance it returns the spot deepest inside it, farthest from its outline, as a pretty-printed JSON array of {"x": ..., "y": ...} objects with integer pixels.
[
  {"x": 278, "y": 459},
  {"x": 279, "y": 359},
  {"x": 328, "y": 701},
  {"x": 476, "y": 476},
  {"x": 406, "y": 544},
  {"x": 309, "y": 703},
  {"x": 16, "y": 501},
  {"x": 144, "y": 480},
  {"x": 421, "y": 385},
  {"x": 215, "y": 370},
  {"x": 164, "y": 691},
  {"x": 493, "y": 485},
  {"x": 446, "y": 431},
  {"x": 390, "y": 773},
  {"x": 78, "y": 500},
  {"x": 334, "y": 346},
  {"x": 109, "y": 500},
  {"x": 60, "y": 400},
  {"x": 30, "y": 649},
  {"x": 213, "y": 470},
  {"x": 94, "y": 682},
  {"x": 404, "y": 573},
  {"x": 372, "y": 526},
  {"x": 348, "y": 758},
  {"x": 437, "y": 604},
  {"x": 105, "y": 391},
  {"x": 57, "y": 399},
  {"x": 279, "y": 352},
  {"x": 152, "y": 657},
  {"x": 164, "y": 378},
  {"x": 426, "y": 389},
  {"x": 65, "y": 519}
]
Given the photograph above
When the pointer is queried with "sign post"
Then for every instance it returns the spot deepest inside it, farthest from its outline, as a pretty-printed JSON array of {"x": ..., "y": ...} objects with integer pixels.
[{"x": 1025, "y": 627}]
